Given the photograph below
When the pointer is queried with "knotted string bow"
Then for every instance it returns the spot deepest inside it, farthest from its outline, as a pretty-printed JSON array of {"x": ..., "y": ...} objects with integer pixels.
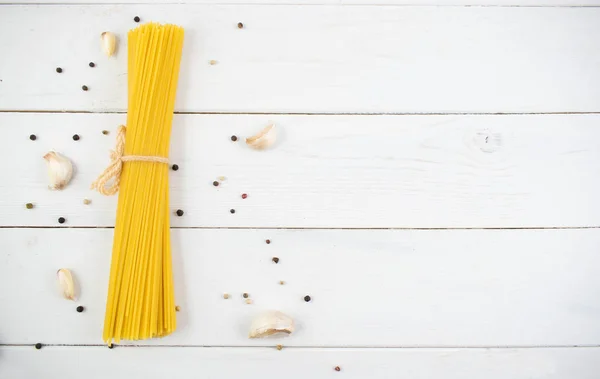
[{"x": 113, "y": 171}]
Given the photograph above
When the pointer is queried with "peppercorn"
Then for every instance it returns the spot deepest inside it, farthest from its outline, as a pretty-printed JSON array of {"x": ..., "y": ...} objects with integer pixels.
[
  {"x": 244, "y": 196},
  {"x": 85, "y": 88},
  {"x": 215, "y": 183},
  {"x": 136, "y": 19},
  {"x": 232, "y": 211},
  {"x": 177, "y": 308},
  {"x": 245, "y": 295},
  {"x": 337, "y": 368},
  {"x": 175, "y": 167},
  {"x": 38, "y": 345},
  {"x": 307, "y": 298},
  {"x": 59, "y": 70},
  {"x": 275, "y": 259},
  {"x": 75, "y": 137},
  {"x": 105, "y": 132},
  {"x": 29, "y": 206},
  {"x": 61, "y": 220},
  {"x": 233, "y": 138},
  {"x": 32, "y": 137},
  {"x": 92, "y": 64},
  {"x": 80, "y": 309},
  {"x": 240, "y": 25},
  {"x": 179, "y": 212},
  {"x": 268, "y": 241}
]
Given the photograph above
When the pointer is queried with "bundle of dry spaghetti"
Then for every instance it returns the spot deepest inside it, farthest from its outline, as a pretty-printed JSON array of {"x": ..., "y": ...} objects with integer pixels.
[{"x": 140, "y": 301}]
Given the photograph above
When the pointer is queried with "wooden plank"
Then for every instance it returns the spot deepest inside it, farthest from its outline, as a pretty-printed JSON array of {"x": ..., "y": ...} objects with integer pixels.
[
  {"x": 325, "y": 171},
  {"x": 314, "y": 59},
  {"x": 134, "y": 363},
  {"x": 537, "y": 3},
  {"x": 370, "y": 288}
]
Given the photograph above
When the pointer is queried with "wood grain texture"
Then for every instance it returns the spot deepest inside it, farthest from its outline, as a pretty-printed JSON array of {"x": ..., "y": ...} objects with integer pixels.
[
  {"x": 203, "y": 363},
  {"x": 325, "y": 171},
  {"x": 368, "y": 288},
  {"x": 314, "y": 59}
]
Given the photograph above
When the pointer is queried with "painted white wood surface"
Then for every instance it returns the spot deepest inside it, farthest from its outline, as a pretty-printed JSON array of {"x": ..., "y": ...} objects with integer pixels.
[
  {"x": 537, "y": 3},
  {"x": 203, "y": 363},
  {"x": 314, "y": 59},
  {"x": 376, "y": 294},
  {"x": 325, "y": 171},
  {"x": 369, "y": 288}
]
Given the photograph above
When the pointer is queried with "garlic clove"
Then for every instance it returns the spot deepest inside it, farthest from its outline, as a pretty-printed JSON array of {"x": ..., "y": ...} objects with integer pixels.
[
  {"x": 66, "y": 283},
  {"x": 109, "y": 43},
  {"x": 270, "y": 323},
  {"x": 60, "y": 170},
  {"x": 263, "y": 139}
]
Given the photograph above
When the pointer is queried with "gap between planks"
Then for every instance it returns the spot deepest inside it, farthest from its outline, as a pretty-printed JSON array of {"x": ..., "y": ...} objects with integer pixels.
[
  {"x": 400, "y": 347},
  {"x": 318, "y": 114},
  {"x": 340, "y": 4},
  {"x": 313, "y": 228}
]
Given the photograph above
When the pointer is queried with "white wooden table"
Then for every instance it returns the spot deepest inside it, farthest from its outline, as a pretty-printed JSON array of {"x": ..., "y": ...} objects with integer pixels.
[{"x": 434, "y": 189}]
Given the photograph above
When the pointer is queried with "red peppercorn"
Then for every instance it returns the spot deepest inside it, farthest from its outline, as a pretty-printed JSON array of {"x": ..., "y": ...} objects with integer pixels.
[
  {"x": 244, "y": 196},
  {"x": 337, "y": 368}
]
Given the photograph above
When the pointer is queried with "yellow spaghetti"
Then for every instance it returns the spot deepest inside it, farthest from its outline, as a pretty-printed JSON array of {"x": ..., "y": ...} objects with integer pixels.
[{"x": 140, "y": 301}]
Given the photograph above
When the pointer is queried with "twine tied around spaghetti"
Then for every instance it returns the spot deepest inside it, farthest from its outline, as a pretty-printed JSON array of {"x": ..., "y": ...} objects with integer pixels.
[{"x": 113, "y": 171}]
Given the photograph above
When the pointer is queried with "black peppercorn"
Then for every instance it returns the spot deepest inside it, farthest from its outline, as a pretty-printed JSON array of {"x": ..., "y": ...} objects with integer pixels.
[
  {"x": 232, "y": 211},
  {"x": 38, "y": 345},
  {"x": 80, "y": 309},
  {"x": 233, "y": 138},
  {"x": 32, "y": 137},
  {"x": 245, "y": 295},
  {"x": 75, "y": 137},
  {"x": 85, "y": 88},
  {"x": 215, "y": 183},
  {"x": 111, "y": 346},
  {"x": 175, "y": 167},
  {"x": 61, "y": 220},
  {"x": 240, "y": 25},
  {"x": 92, "y": 64},
  {"x": 179, "y": 212},
  {"x": 307, "y": 298},
  {"x": 136, "y": 19},
  {"x": 275, "y": 259},
  {"x": 59, "y": 70},
  {"x": 268, "y": 241}
]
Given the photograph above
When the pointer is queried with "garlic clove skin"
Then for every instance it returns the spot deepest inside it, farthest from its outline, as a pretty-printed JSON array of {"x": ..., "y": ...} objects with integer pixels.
[
  {"x": 66, "y": 283},
  {"x": 263, "y": 139},
  {"x": 269, "y": 323},
  {"x": 60, "y": 170},
  {"x": 109, "y": 43}
]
